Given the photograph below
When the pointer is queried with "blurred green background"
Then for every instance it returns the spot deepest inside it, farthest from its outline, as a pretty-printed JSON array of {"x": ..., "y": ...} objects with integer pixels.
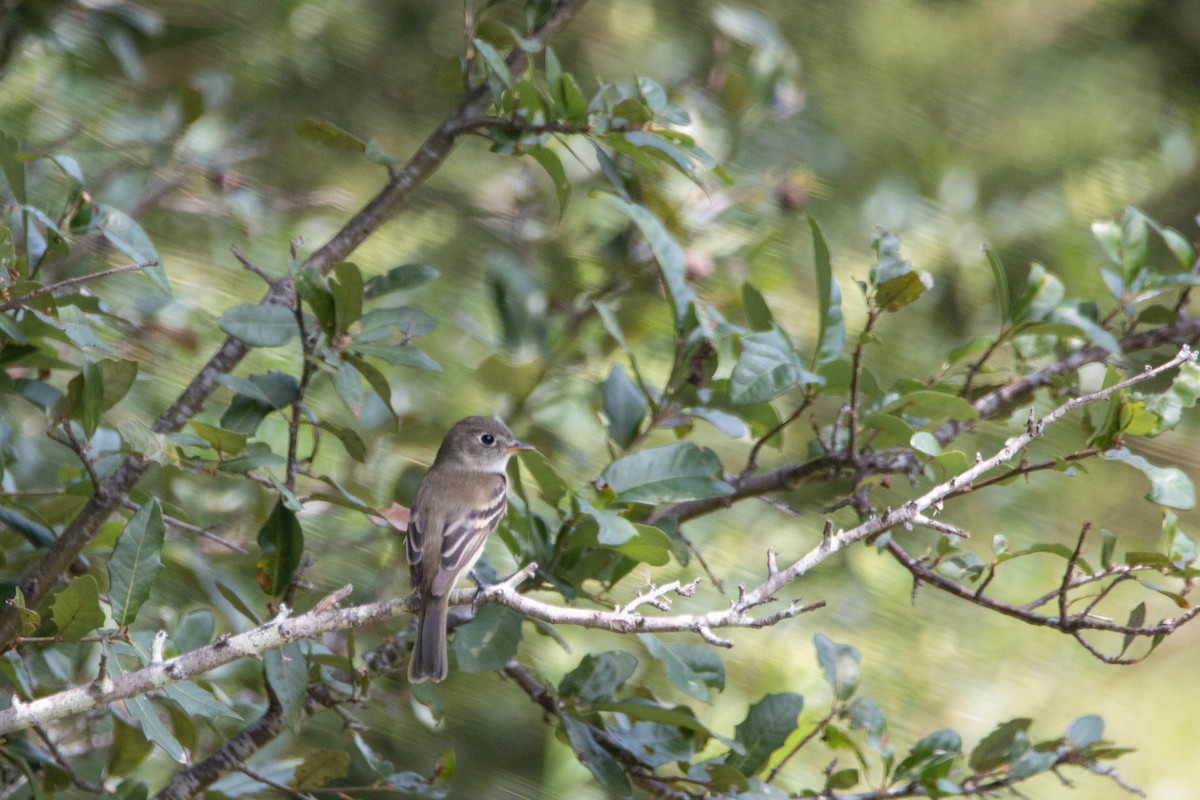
[{"x": 953, "y": 123}]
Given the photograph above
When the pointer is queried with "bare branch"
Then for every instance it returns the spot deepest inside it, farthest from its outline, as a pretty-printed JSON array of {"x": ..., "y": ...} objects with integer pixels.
[{"x": 91, "y": 276}]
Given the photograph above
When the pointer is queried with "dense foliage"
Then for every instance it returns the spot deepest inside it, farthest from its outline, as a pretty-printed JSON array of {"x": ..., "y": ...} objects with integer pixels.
[{"x": 200, "y": 447}]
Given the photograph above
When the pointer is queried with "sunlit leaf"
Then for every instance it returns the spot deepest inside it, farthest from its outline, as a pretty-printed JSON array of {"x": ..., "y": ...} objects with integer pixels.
[
  {"x": 767, "y": 366},
  {"x": 673, "y": 472}
]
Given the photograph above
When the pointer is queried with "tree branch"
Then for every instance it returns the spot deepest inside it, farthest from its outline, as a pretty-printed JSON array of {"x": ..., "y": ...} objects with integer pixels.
[
  {"x": 41, "y": 578},
  {"x": 91, "y": 276}
]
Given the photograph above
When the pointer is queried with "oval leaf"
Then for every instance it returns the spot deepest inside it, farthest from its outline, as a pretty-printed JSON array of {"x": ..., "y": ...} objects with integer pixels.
[
  {"x": 258, "y": 325},
  {"x": 135, "y": 562}
]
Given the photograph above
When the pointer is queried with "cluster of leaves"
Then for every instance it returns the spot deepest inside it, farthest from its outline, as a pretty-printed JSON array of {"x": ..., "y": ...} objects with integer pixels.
[{"x": 748, "y": 379}]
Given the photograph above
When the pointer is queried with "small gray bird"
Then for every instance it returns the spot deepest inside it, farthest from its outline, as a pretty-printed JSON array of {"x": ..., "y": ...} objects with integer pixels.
[{"x": 459, "y": 502}]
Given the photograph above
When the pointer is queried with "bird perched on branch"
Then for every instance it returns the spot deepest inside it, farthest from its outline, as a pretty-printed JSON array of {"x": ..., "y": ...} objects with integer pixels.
[{"x": 459, "y": 502}]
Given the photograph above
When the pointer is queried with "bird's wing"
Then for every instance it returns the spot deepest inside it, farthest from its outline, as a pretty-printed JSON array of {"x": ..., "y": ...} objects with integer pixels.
[{"x": 463, "y": 537}]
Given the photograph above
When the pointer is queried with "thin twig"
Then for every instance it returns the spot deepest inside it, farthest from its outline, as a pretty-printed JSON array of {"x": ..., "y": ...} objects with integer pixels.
[
  {"x": 175, "y": 522},
  {"x": 91, "y": 276}
]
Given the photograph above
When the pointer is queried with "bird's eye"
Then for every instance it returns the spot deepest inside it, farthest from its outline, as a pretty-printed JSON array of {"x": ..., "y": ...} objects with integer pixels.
[{"x": 488, "y": 439}]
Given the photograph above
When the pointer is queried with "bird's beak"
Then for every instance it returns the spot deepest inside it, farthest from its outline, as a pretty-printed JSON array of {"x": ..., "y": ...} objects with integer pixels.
[{"x": 517, "y": 447}]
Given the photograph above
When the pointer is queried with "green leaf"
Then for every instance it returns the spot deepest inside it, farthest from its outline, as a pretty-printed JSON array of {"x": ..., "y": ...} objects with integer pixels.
[
  {"x": 376, "y": 379},
  {"x": 608, "y": 772},
  {"x": 116, "y": 377},
  {"x": 319, "y": 768},
  {"x": 287, "y": 674},
  {"x": 831, "y": 335},
  {"x": 1137, "y": 617},
  {"x": 84, "y": 399},
  {"x": 195, "y": 629},
  {"x": 667, "y": 253},
  {"x": 347, "y": 286},
  {"x": 259, "y": 325},
  {"x": 558, "y": 176},
  {"x": 404, "y": 322},
  {"x": 328, "y": 134},
  {"x": 125, "y": 234},
  {"x": 758, "y": 313},
  {"x": 598, "y": 676},
  {"x": 840, "y": 665},
  {"x": 767, "y": 367},
  {"x": 895, "y": 294},
  {"x": 256, "y": 397},
  {"x": 198, "y": 702},
  {"x": 76, "y": 609},
  {"x": 680, "y": 716},
  {"x": 135, "y": 562},
  {"x": 932, "y": 405},
  {"x": 660, "y": 147},
  {"x": 625, "y": 407},
  {"x": 936, "y": 750},
  {"x": 30, "y": 620},
  {"x": 1183, "y": 394},
  {"x": 142, "y": 710},
  {"x": 613, "y": 530},
  {"x": 396, "y": 355},
  {"x": 1170, "y": 486},
  {"x": 694, "y": 668},
  {"x": 1000, "y": 278},
  {"x": 1135, "y": 234},
  {"x": 1108, "y": 234},
  {"x": 399, "y": 279},
  {"x": 765, "y": 729},
  {"x": 489, "y": 641},
  {"x": 1180, "y": 247},
  {"x": 1043, "y": 292},
  {"x": 575, "y": 103},
  {"x": 223, "y": 441},
  {"x": 1068, "y": 314},
  {"x": 494, "y": 61},
  {"x": 552, "y": 486},
  {"x": 281, "y": 542},
  {"x": 355, "y": 447},
  {"x": 235, "y": 600},
  {"x": 673, "y": 472},
  {"x": 1085, "y": 731},
  {"x": 1003, "y": 746}
]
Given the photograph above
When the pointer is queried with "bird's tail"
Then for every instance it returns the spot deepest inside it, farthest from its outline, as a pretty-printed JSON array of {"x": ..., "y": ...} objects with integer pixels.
[{"x": 429, "y": 652}]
